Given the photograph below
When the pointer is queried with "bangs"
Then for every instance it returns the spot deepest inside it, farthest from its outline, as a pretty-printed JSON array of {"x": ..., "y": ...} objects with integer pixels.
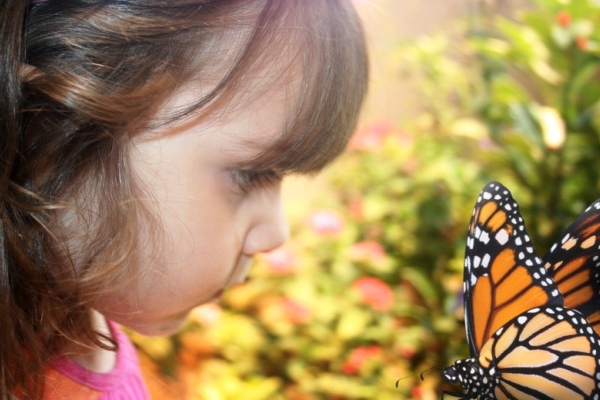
[
  {"x": 334, "y": 68},
  {"x": 321, "y": 41}
]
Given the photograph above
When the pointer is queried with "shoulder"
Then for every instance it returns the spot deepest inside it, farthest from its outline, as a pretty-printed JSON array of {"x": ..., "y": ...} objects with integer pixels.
[
  {"x": 67, "y": 380},
  {"x": 59, "y": 386}
]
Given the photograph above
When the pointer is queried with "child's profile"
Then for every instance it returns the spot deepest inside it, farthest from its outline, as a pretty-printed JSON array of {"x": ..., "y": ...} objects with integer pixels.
[{"x": 144, "y": 144}]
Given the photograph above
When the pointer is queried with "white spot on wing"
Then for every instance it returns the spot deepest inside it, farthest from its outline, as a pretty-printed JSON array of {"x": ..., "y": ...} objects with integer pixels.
[{"x": 502, "y": 237}]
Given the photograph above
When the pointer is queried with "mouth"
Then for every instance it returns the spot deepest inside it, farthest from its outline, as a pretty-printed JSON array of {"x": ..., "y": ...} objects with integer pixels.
[
  {"x": 216, "y": 297},
  {"x": 237, "y": 277}
]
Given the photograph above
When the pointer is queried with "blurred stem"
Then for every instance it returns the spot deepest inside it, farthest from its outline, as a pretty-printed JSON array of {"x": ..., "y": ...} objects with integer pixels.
[
  {"x": 554, "y": 199},
  {"x": 549, "y": 195},
  {"x": 557, "y": 159}
]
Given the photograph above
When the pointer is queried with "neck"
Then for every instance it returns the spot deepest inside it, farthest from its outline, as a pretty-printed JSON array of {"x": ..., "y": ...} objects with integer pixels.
[{"x": 92, "y": 357}]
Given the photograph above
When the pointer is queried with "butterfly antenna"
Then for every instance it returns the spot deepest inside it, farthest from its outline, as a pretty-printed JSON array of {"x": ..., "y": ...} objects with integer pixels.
[
  {"x": 400, "y": 380},
  {"x": 430, "y": 369},
  {"x": 421, "y": 375}
]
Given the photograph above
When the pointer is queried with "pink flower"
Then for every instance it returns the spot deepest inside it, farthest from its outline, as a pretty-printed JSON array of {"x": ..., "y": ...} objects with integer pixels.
[
  {"x": 374, "y": 292},
  {"x": 326, "y": 222},
  {"x": 281, "y": 261},
  {"x": 367, "y": 250},
  {"x": 357, "y": 358},
  {"x": 371, "y": 137},
  {"x": 488, "y": 144},
  {"x": 295, "y": 311}
]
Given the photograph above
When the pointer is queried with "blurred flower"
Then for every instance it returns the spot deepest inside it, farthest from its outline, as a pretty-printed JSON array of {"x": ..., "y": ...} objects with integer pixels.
[
  {"x": 417, "y": 392},
  {"x": 295, "y": 311},
  {"x": 408, "y": 351},
  {"x": 582, "y": 42},
  {"x": 371, "y": 137},
  {"x": 355, "y": 208},
  {"x": 487, "y": 144},
  {"x": 208, "y": 314},
  {"x": 326, "y": 222},
  {"x": 358, "y": 356},
  {"x": 553, "y": 127},
  {"x": 281, "y": 261},
  {"x": 367, "y": 250},
  {"x": 410, "y": 166},
  {"x": 194, "y": 346},
  {"x": 374, "y": 292},
  {"x": 563, "y": 18}
]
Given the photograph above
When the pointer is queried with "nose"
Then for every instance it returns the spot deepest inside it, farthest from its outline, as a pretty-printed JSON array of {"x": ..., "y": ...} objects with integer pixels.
[{"x": 269, "y": 229}]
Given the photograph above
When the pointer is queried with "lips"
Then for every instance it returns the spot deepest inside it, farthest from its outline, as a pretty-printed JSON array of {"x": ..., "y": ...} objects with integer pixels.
[{"x": 216, "y": 296}]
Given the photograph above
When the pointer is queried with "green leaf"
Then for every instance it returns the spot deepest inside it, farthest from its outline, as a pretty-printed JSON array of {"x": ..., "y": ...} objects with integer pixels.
[
  {"x": 526, "y": 123},
  {"x": 424, "y": 285}
]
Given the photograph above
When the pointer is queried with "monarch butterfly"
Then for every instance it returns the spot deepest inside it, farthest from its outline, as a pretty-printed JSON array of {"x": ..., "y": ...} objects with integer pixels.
[
  {"x": 527, "y": 339},
  {"x": 574, "y": 264}
]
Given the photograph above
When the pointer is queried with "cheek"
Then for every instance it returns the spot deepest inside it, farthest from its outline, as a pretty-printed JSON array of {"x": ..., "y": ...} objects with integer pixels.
[
  {"x": 199, "y": 245},
  {"x": 200, "y": 227}
]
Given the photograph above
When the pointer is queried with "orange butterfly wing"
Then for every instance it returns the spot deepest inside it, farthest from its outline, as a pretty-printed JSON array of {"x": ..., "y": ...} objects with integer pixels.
[
  {"x": 574, "y": 264},
  {"x": 503, "y": 276},
  {"x": 544, "y": 353}
]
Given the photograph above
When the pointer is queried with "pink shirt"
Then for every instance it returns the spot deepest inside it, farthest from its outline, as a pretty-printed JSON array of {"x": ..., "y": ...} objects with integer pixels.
[{"x": 69, "y": 380}]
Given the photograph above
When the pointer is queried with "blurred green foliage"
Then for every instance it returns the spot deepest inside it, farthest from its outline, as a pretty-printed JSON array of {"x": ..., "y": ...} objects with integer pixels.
[
  {"x": 368, "y": 290},
  {"x": 540, "y": 103}
]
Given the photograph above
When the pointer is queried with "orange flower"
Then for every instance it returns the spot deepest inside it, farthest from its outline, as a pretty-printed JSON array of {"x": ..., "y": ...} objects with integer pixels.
[
  {"x": 563, "y": 18},
  {"x": 408, "y": 351},
  {"x": 582, "y": 42},
  {"x": 417, "y": 392},
  {"x": 375, "y": 293},
  {"x": 358, "y": 356},
  {"x": 356, "y": 208}
]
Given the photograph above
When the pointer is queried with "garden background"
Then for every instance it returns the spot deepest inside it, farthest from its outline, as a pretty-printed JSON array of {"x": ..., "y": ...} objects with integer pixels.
[{"x": 367, "y": 291}]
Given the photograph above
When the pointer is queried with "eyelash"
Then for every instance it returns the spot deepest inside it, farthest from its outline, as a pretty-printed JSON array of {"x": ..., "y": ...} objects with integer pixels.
[{"x": 249, "y": 179}]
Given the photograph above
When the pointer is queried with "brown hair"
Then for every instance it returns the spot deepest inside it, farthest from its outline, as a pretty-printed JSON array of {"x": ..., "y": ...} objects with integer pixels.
[{"x": 80, "y": 78}]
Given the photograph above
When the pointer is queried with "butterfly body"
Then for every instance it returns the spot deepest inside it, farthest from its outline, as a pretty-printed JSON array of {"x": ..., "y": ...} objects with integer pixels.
[
  {"x": 544, "y": 353},
  {"x": 525, "y": 338},
  {"x": 476, "y": 380}
]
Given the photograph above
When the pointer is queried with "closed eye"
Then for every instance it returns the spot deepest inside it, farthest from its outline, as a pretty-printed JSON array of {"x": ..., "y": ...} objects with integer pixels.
[{"x": 248, "y": 180}]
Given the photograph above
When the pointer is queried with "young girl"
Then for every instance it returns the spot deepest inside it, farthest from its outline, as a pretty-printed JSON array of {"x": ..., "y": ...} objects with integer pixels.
[{"x": 142, "y": 151}]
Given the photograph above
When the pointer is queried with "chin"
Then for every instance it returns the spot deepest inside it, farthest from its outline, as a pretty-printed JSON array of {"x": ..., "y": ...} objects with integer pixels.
[{"x": 162, "y": 328}]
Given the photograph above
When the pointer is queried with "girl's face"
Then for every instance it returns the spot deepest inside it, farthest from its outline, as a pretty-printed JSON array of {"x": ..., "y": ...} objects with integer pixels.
[{"x": 213, "y": 216}]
